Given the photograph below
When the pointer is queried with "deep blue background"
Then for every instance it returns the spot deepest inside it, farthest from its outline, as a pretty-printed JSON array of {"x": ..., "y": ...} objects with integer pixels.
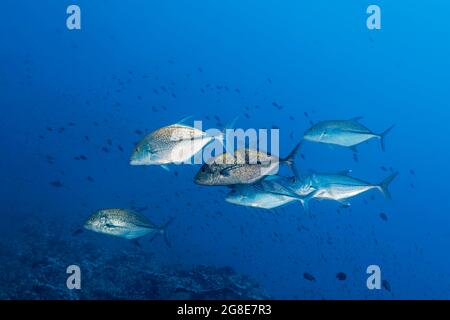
[{"x": 320, "y": 58}]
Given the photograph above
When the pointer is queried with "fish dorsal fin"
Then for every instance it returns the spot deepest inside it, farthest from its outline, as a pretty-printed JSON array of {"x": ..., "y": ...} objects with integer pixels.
[
  {"x": 184, "y": 120},
  {"x": 344, "y": 172},
  {"x": 356, "y": 119},
  {"x": 231, "y": 124}
]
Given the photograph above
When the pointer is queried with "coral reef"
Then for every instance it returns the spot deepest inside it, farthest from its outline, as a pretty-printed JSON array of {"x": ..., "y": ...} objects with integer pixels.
[{"x": 33, "y": 266}]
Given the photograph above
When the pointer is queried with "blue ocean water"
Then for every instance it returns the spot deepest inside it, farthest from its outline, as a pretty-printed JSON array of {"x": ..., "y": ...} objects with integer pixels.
[{"x": 75, "y": 102}]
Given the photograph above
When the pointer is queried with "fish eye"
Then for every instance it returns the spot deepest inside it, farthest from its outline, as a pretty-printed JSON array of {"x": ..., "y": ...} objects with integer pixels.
[{"x": 203, "y": 169}]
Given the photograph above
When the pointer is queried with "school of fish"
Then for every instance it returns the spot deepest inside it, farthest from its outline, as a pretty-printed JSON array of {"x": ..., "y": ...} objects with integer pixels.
[{"x": 251, "y": 175}]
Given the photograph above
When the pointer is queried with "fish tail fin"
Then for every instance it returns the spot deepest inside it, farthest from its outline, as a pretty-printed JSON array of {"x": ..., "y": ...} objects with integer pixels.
[
  {"x": 290, "y": 159},
  {"x": 383, "y": 135},
  {"x": 163, "y": 231},
  {"x": 384, "y": 185}
]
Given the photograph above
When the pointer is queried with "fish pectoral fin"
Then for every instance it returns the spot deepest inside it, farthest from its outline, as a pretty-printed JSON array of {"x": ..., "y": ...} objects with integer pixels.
[
  {"x": 144, "y": 225},
  {"x": 226, "y": 171},
  {"x": 344, "y": 202},
  {"x": 358, "y": 131},
  {"x": 112, "y": 226},
  {"x": 165, "y": 167},
  {"x": 192, "y": 138}
]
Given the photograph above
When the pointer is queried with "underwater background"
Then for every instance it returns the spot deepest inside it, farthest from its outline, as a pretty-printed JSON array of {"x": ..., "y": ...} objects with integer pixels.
[{"x": 74, "y": 103}]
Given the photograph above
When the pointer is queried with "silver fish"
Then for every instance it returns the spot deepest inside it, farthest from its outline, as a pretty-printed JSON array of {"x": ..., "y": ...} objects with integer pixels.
[
  {"x": 246, "y": 166},
  {"x": 266, "y": 194},
  {"x": 176, "y": 143},
  {"x": 124, "y": 223},
  {"x": 339, "y": 186},
  {"x": 347, "y": 133}
]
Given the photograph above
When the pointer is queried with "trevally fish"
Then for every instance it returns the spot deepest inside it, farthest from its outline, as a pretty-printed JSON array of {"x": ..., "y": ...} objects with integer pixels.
[
  {"x": 269, "y": 193},
  {"x": 124, "y": 223},
  {"x": 347, "y": 133},
  {"x": 339, "y": 186},
  {"x": 175, "y": 143},
  {"x": 246, "y": 166}
]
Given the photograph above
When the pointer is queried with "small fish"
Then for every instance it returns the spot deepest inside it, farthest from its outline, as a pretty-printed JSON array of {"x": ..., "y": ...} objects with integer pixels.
[
  {"x": 346, "y": 133},
  {"x": 341, "y": 276},
  {"x": 386, "y": 285},
  {"x": 56, "y": 184},
  {"x": 124, "y": 223},
  {"x": 309, "y": 277},
  {"x": 49, "y": 158},
  {"x": 383, "y": 216}
]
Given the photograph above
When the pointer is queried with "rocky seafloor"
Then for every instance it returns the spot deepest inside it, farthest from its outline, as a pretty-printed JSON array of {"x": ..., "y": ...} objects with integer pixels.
[{"x": 33, "y": 266}]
